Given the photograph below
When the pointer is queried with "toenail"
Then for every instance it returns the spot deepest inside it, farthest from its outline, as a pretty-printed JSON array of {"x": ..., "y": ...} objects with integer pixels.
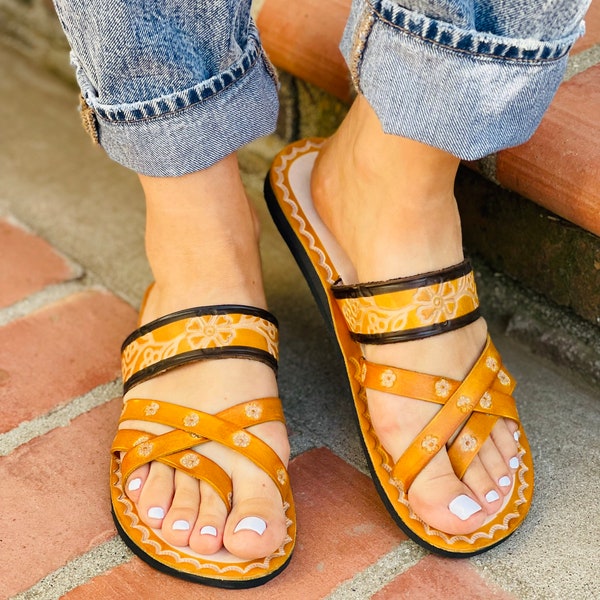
[
  {"x": 181, "y": 525},
  {"x": 504, "y": 481},
  {"x": 156, "y": 512},
  {"x": 517, "y": 435},
  {"x": 492, "y": 496},
  {"x": 463, "y": 507},
  {"x": 208, "y": 530},
  {"x": 251, "y": 524},
  {"x": 134, "y": 484},
  {"x": 513, "y": 463}
]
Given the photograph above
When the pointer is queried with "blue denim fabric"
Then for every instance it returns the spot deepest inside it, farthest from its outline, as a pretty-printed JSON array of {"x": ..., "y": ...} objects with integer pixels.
[
  {"x": 175, "y": 86},
  {"x": 468, "y": 76}
]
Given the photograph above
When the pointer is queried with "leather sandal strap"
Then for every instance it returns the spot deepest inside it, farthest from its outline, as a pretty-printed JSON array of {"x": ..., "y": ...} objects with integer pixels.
[
  {"x": 467, "y": 415},
  {"x": 409, "y": 308},
  {"x": 495, "y": 401},
  {"x": 142, "y": 448},
  {"x": 192, "y": 428},
  {"x": 468, "y": 442},
  {"x": 245, "y": 414},
  {"x": 224, "y": 331}
]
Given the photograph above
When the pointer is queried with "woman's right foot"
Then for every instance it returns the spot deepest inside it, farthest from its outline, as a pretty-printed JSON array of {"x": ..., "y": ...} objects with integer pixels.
[
  {"x": 202, "y": 244},
  {"x": 389, "y": 203}
]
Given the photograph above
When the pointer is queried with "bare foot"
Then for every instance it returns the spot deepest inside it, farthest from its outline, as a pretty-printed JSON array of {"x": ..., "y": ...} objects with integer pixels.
[
  {"x": 202, "y": 244},
  {"x": 389, "y": 203}
]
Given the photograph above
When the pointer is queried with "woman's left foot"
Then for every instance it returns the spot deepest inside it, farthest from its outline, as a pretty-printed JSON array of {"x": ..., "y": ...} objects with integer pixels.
[{"x": 389, "y": 204}]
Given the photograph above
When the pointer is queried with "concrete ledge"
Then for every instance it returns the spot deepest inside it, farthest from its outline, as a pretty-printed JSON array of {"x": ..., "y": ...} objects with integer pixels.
[{"x": 530, "y": 244}]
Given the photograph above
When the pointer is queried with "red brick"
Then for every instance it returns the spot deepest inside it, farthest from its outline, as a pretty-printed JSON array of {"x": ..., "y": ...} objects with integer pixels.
[
  {"x": 343, "y": 528},
  {"x": 592, "y": 30},
  {"x": 559, "y": 168},
  {"x": 54, "y": 498},
  {"x": 435, "y": 577},
  {"x": 27, "y": 264},
  {"x": 60, "y": 352},
  {"x": 302, "y": 37}
]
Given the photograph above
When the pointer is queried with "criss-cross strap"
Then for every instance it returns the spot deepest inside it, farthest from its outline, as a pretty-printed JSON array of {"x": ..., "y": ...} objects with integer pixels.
[
  {"x": 212, "y": 332},
  {"x": 470, "y": 408},
  {"x": 192, "y": 428},
  {"x": 409, "y": 308},
  {"x": 223, "y": 331}
]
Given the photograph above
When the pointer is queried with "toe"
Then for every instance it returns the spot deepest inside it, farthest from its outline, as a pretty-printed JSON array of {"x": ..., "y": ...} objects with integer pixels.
[
  {"x": 156, "y": 496},
  {"x": 256, "y": 526},
  {"x": 503, "y": 436},
  {"x": 497, "y": 467},
  {"x": 179, "y": 520},
  {"x": 207, "y": 534},
  {"x": 483, "y": 486},
  {"x": 254, "y": 529},
  {"x": 440, "y": 499},
  {"x": 135, "y": 483}
]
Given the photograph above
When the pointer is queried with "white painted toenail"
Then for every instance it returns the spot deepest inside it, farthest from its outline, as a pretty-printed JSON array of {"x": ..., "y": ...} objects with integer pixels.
[
  {"x": 181, "y": 526},
  {"x": 134, "y": 484},
  {"x": 517, "y": 435},
  {"x": 513, "y": 463},
  {"x": 492, "y": 496},
  {"x": 251, "y": 524},
  {"x": 156, "y": 512},
  {"x": 504, "y": 481},
  {"x": 208, "y": 530},
  {"x": 463, "y": 507}
]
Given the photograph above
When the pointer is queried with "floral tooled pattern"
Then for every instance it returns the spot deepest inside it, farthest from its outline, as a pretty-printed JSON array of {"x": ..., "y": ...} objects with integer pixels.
[
  {"x": 197, "y": 333},
  {"x": 468, "y": 443},
  {"x": 387, "y": 378},
  {"x": 464, "y": 404},
  {"x": 267, "y": 330},
  {"x": 408, "y": 309},
  {"x": 441, "y": 302},
  {"x": 442, "y": 388},
  {"x": 431, "y": 444},
  {"x": 208, "y": 332}
]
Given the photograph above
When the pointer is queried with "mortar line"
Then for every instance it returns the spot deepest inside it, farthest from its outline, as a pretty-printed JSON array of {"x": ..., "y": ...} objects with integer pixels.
[
  {"x": 59, "y": 417},
  {"x": 78, "y": 572},
  {"x": 376, "y": 576},
  {"x": 580, "y": 62},
  {"x": 47, "y": 296}
]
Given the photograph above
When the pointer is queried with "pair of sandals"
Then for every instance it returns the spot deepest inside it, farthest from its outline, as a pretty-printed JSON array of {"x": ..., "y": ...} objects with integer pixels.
[{"x": 381, "y": 312}]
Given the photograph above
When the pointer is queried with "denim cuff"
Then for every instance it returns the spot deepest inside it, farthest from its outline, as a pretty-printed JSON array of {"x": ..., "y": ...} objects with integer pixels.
[
  {"x": 467, "y": 92},
  {"x": 194, "y": 128}
]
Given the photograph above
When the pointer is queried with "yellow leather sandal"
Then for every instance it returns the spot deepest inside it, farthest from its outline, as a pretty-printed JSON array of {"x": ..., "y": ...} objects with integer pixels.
[
  {"x": 177, "y": 339},
  {"x": 393, "y": 311}
]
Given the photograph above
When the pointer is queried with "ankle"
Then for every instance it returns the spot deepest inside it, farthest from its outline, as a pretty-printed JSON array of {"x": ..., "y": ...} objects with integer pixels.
[
  {"x": 388, "y": 201},
  {"x": 202, "y": 239}
]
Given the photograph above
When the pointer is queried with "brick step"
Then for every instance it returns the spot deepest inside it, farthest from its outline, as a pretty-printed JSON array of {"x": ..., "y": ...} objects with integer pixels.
[{"x": 559, "y": 168}]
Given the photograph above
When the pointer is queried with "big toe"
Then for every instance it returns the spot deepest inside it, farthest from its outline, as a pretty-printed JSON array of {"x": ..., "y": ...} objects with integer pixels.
[
  {"x": 442, "y": 501},
  {"x": 255, "y": 528}
]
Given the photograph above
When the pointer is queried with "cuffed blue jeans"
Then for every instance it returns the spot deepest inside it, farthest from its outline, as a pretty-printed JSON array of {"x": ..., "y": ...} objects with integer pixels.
[{"x": 175, "y": 86}]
